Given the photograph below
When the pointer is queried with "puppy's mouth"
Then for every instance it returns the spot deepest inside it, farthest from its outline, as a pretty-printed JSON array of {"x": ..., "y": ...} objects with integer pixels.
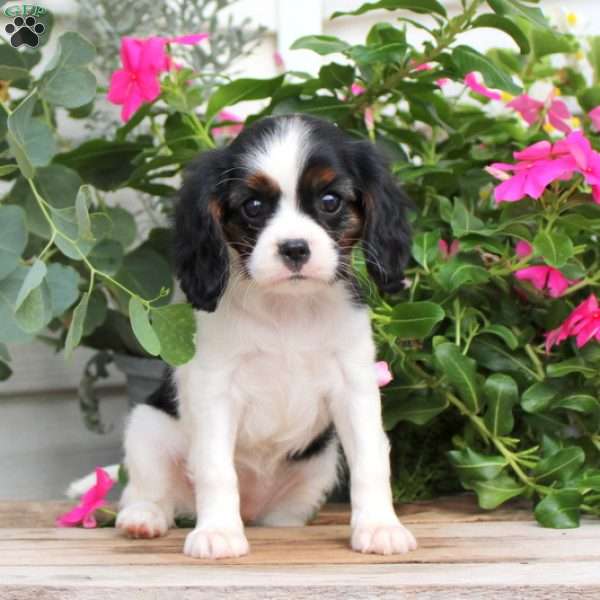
[{"x": 297, "y": 277}]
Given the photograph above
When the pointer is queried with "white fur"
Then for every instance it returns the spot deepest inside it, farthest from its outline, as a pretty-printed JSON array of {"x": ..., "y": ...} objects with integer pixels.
[{"x": 275, "y": 364}]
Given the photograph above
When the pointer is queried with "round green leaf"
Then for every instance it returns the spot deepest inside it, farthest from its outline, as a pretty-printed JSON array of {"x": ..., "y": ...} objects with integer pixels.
[
  {"x": 13, "y": 238},
  {"x": 559, "y": 510},
  {"x": 175, "y": 326},
  {"x": 414, "y": 319},
  {"x": 538, "y": 397},
  {"x": 494, "y": 492},
  {"x": 140, "y": 323},
  {"x": 555, "y": 248}
]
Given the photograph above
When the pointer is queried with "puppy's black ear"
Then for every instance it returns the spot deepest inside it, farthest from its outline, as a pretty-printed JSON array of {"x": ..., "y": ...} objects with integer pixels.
[
  {"x": 200, "y": 251},
  {"x": 386, "y": 233}
]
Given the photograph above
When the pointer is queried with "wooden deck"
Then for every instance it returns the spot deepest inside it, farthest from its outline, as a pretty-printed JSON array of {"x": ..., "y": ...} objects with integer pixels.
[{"x": 463, "y": 553}]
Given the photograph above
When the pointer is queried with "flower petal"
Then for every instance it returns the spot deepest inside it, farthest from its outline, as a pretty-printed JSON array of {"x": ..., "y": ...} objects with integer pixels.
[
  {"x": 474, "y": 85},
  {"x": 190, "y": 39},
  {"x": 537, "y": 276},
  {"x": 118, "y": 90},
  {"x": 384, "y": 375}
]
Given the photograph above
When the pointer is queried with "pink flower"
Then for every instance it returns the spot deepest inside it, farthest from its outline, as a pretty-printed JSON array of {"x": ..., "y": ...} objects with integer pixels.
[
  {"x": 384, "y": 375},
  {"x": 543, "y": 277},
  {"x": 369, "y": 118},
  {"x": 448, "y": 251},
  {"x": 523, "y": 249},
  {"x": 421, "y": 67},
  {"x": 357, "y": 89},
  {"x": 278, "y": 60},
  {"x": 527, "y": 107},
  {"x": 558, "y": 115},
  {"x": 594, "y": 115},
  {"x": 477, "y": 87},
  {"x": 442, "y": 81},
  {"x": 583, "y": 324},
  {"x": 143, "y": 60},
  {"x": 229, "y": 130},
  {"x": 539, "y": 165},
  {"x": 91, "y": 501}
]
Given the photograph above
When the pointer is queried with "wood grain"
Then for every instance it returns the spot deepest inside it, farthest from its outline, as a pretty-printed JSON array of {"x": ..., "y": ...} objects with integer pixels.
[{"x": 463, "y": 553}]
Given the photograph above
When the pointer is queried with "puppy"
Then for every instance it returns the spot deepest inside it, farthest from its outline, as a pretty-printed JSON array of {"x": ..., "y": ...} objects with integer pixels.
[{"x": 248, "y": 430}]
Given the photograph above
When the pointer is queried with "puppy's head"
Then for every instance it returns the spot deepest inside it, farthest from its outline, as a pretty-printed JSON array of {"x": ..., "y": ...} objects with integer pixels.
[{"x": 289, "y": 197}]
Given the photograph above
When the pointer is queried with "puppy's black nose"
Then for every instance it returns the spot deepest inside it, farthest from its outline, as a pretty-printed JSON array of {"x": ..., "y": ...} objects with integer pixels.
[{"x": 294, "y": 253}]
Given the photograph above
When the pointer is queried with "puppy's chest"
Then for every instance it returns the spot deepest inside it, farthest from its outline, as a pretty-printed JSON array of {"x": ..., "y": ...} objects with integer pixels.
[{"x": 283, "y": 382}]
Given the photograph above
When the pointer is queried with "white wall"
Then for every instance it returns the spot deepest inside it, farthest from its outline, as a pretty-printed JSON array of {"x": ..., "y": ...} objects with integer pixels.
[{"x": 43, "y": 444}]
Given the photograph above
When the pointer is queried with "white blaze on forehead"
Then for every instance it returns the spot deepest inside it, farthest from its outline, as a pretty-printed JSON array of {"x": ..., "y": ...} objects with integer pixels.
[{"x": 281, "y": 156}]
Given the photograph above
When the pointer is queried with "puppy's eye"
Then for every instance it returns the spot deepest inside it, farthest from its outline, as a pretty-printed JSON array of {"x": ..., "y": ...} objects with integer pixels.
[
  {"x": 253, "y": 208},
  {"x": 329, "y": 202}
]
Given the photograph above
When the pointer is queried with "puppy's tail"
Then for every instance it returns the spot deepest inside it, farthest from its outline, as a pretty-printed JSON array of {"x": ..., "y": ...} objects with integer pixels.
[{"x": 80, "y": 486}]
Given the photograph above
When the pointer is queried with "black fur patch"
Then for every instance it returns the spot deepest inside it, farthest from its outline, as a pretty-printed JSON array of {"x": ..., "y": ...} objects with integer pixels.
[
  {"x": 317, "y": 446},
  {"x": 165, "y": 397}
]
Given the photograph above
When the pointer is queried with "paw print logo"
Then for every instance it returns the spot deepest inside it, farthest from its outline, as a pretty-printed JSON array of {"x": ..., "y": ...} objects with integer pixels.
[{"x": 25, "y": 32}]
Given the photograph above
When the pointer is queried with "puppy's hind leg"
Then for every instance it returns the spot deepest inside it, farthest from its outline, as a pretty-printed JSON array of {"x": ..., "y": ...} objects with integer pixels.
[
  {"x": 154, "y": 455},
  {"x": 303, "y": 488}
]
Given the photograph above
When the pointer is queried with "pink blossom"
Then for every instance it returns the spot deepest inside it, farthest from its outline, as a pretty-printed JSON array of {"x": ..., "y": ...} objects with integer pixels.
[
  {"x": 543, "y": 277},
  {"x": 583, "y": 323},
  {"x": 558, "y": 115},
  {"x": 523, "y": 249},
  {"x": 477, "y": 87},
  {"x": 538, "y": 166},
  {"x": 91, "y": 501},
  {"x": 357, "y": 89},
  {"x": 594, "y": 115},
  {"x": 384, "y": 376},
  {"x": 229, "y": 130},
  {"x": 369, "y": 118},
  {"x": 442, "y": 81},
  {"x": 448, "y": 251},
  {"x": 278, "y": 60},
  {"x": 527, "y": 107},
  {"x": 143, "y": 60},
  {"x": 421, "y": 67}
]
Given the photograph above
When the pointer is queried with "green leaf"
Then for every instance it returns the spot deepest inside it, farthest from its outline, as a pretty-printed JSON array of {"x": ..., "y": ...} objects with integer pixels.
[
  {"x": 571, "y": 365},
  {"x": 67, "y": 80},
  {"x": 12, "y": 65},
  {"x": 241, "y": 90},
  {"x": 582, "y": 403},
  {"x": 8, "y": 169},
  {"x": 145, "y": 273},
  {"x": 4, "y": 354},
  {"x": 504, "y": 333},
  {"x": 501, "y": 393},
  {"x": 411, "y": 320},
  {"x": 495, "y": 357},
  {"x": 418, "y": 6},
  {"x": 507, "y": 26},
  {"x": 538, "y": 397},
  {"x": 590, "y": 97},
  {"x": 594, "y": 58},
  {"x": 548, "y": 41},
  {"x": 140, "y": 323},
  {"x": 416, "y": 409},
  {"x": 471, "y": 465},
  {"x": 555, "y": 248},
  {"x": 82, "y": 202},
  {"x": 561, "y": 465},
  {"x": 459, "y": 272},
  {"x": 30, "y": 139},
  {"x": 107, "y": 256},
  {"x": 96, "y": 312},
  {"x": 76, "y": 329},
  {"x": 124, "y": 229},
  {"x": 5, "y": 371},
  {"x": 10, "y": 330},
  {"x": 463, "y": 221},
  {"x": 425, "y": 247},
  {"x": 35, "y": 312},
  {"x": 494, "y": 492},
  {"x": 467, "y": 59},
  {"x": 559, "y": 510},
  {"x": 321, "y": 44},
  {"x": 460, "y": 371},
  {"x": 34, "y": 278},
  {"x": 63, "y": 283},
  {"x": 514, "y": 7},
  {"x": 13, "y": 238},
  {"x": 175, "y": 326}
]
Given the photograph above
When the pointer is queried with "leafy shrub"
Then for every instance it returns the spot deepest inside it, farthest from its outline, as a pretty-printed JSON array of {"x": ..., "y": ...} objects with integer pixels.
[{"x": 498, "y": 263}]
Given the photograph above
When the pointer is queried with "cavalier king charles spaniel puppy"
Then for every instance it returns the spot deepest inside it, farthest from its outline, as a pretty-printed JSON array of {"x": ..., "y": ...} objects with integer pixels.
[{"x": 249, "y": 431}]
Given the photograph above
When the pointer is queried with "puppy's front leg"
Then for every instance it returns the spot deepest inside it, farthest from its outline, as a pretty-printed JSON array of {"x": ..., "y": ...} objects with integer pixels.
[
  {"x": 356, "y": 412},
  {"x": 219, "y": 531}
]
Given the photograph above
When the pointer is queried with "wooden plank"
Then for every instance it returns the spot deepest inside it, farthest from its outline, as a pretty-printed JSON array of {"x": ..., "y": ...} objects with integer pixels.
[{"x": 461, "y": 508}]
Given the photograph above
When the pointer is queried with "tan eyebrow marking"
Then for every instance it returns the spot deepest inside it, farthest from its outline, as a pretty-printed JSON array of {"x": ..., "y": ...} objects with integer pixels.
[
  {"x": 319, "y": 176},
  {"x": 261, "y": 182}
]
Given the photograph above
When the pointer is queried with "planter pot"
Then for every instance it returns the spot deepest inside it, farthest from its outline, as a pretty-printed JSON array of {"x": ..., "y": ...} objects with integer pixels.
[{"x": 144, "y": 375}]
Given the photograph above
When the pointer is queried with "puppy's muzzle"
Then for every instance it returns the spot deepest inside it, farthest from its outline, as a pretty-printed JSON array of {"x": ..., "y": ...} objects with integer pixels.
[{"x": 294, "y": 253}]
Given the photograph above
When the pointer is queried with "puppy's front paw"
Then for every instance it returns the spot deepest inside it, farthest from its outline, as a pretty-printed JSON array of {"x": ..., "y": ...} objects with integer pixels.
[
  {"x": 383, "y": 539},
  {"x": 142, "y": 520},
  {"x": 215, "y": 543}
]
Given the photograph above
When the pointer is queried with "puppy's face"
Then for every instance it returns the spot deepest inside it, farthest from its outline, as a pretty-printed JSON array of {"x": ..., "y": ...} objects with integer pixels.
[
  {"x": 291, "y": 196},
  {"x": 291, "y": 210}
]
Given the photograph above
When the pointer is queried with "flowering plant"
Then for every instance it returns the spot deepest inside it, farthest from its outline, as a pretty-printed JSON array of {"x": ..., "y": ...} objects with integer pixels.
[{"x": 493, "y": 346}]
